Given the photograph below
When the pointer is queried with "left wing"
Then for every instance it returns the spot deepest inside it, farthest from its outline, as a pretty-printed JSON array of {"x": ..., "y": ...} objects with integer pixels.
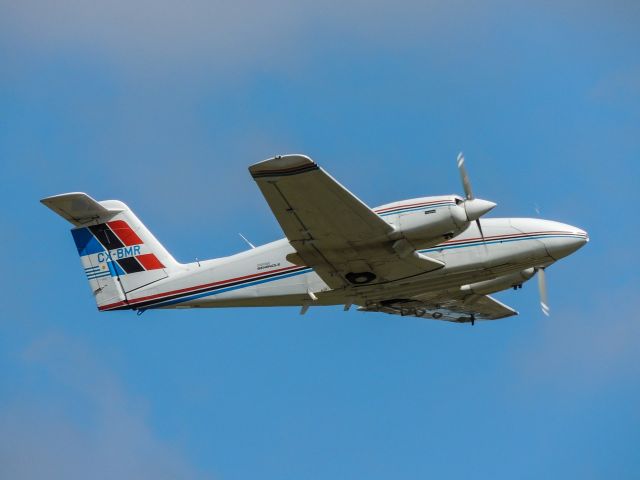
[
  {"x": 461, "y": 310},
  {"x": 330, "y": 228}
]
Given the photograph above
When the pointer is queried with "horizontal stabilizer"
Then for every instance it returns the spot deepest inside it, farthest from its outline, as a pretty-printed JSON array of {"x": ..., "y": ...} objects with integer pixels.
[{"x": 79, "y": 208}]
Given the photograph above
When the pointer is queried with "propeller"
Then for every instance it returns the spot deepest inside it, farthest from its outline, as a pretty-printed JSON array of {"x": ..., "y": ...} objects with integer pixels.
[
  {"x": 464, "y": 176},
  {"x": 474, "y": 207},
  {"x": 542, "y": 287}
]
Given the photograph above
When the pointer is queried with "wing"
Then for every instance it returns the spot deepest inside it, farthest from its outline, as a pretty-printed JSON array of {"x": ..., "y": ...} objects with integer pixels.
[
  {"x": 461, "y": 310},
  {"x": 330, "y": 228}
]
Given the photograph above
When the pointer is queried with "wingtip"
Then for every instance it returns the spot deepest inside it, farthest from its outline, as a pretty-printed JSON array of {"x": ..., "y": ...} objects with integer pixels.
[{"x": 283, "y": 165}]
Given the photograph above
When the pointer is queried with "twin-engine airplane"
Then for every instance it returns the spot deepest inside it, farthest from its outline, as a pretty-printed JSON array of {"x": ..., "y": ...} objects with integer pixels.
[{"x": 426, "y": 257}]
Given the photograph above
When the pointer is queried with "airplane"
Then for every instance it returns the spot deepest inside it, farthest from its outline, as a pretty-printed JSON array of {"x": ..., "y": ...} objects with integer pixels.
[{"x": 429, "y": 257}]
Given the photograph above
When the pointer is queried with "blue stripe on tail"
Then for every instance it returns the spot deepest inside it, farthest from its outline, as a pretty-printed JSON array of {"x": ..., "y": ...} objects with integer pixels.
[
  {"x": 115, "y": 269},
  {"x": 86, "y": 243}
]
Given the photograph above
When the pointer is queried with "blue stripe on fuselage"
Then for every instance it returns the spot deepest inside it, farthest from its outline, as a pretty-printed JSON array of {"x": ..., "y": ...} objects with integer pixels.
[
  {"x": 473, "y": 243},
  {"x": 227, "y": 289},
  {"x": 414, "y": 209}
]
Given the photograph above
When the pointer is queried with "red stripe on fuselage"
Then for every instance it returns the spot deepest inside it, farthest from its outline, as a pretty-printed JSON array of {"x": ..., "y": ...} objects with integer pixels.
[
  {"x": 421, "y": 204},
  {"x": 196, "y": 287},
  {"x": 506, "y": 236}
]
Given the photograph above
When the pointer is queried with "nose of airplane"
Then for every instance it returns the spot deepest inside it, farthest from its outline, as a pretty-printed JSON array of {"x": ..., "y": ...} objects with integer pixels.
[{"x": 563, "y": 239}]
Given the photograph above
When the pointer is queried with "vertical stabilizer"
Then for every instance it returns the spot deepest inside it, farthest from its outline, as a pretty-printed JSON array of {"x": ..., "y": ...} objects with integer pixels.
[{"x": 118, "y": 253}]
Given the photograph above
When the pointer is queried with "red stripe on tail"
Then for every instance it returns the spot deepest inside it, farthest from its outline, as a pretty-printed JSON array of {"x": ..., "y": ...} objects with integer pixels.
[
  {"x": 149, "y": 261},
  {"x": 124, "y": 232}
]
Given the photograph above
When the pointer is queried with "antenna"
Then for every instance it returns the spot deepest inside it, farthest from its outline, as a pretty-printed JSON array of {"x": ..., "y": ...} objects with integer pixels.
[{"x": 248, "y": 242}]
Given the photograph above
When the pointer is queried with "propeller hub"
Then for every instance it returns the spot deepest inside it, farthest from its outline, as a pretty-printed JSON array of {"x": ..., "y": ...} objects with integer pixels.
[{"x": 475, "y": 208}]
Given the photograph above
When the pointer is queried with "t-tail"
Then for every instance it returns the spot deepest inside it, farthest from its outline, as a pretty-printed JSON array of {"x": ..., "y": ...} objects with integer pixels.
[{"x": 119, "y": 255}]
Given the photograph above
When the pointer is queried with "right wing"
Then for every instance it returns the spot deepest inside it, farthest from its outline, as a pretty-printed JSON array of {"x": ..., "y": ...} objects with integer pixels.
[
  {"x": 330, "y": 228},
  {"x": 459, "y": 310}
]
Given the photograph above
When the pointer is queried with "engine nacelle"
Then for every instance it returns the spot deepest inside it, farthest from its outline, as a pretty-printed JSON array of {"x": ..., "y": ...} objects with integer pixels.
[
  {"x": 500, "y": 283},
  {"x": 426, "y": 221}
]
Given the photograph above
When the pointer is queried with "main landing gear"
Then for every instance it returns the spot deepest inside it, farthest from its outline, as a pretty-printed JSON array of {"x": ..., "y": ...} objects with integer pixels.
[{"x": 360, "y": 278}]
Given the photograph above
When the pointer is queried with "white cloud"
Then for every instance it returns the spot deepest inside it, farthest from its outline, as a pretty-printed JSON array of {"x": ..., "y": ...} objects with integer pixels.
[{"x": 87, "y": 427}]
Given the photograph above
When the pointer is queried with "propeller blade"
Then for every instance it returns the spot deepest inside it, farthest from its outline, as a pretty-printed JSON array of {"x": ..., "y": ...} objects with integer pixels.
[
  {"x": 542, "y": 286},
  {"x": 473, "y": 207},
  {"x": 481, "y": 234},
  {"x": 466, "y": 183},
  {"x": 480, "y": 228}
]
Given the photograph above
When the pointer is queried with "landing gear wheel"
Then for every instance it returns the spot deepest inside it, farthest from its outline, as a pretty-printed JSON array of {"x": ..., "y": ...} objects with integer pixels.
[{"x": 360, "y": 278}]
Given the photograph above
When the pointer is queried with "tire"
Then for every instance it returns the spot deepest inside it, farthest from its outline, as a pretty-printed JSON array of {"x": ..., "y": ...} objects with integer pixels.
[{"x": 360, "y": 278}]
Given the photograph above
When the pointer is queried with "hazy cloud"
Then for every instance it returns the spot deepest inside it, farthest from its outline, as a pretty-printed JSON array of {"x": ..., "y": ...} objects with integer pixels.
[
  {"x": 223, "y": 35},
  {"x": 87, "y": 427},
  {"x": 590, "y": 347},
  {"x": 618, "y": 88}
]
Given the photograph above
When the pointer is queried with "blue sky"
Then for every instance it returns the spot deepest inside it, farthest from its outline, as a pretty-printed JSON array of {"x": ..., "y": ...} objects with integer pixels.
[{"x": 164, "y": 105}]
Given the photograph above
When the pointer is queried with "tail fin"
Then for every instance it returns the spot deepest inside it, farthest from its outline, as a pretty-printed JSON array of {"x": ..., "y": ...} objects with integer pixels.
[{"x": 118, "y": 253}]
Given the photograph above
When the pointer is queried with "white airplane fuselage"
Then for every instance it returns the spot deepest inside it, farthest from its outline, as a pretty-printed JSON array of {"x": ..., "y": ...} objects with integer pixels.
[{"x": 263, "y": 276}]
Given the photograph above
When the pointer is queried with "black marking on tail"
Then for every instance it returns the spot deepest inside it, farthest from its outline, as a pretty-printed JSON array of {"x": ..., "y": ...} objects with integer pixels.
[
  {"x": 130, "y": 265},
  {"x": 106, "y": 237}
]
